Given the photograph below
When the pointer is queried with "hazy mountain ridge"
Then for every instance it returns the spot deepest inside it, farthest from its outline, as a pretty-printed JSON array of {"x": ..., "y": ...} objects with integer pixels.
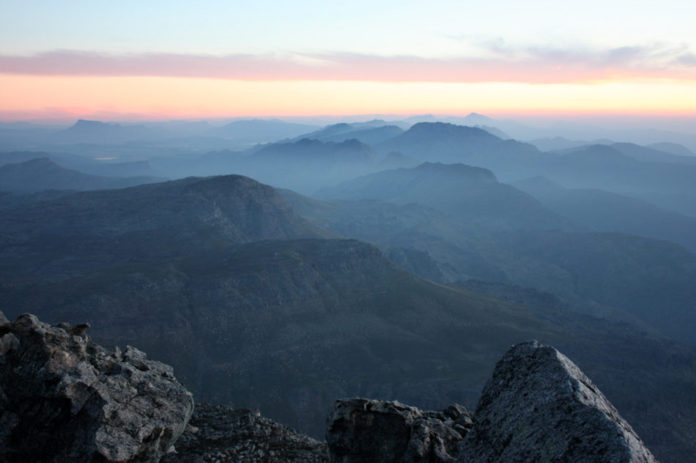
[
  {"x": 43, "y": 174},
  {"x": 437, "y": 141},
  {"x": 605, "y": 211},
  {"x": 576, "y": 265},
  {"x": 101, "y": 228},
  {"x": 87, "y": 131},
  {"x": 368, "y": 132},
  {"x": 259, "y": 130},
  {"x": 153, "y": 258},
  {"x": 471, "y": 193}
]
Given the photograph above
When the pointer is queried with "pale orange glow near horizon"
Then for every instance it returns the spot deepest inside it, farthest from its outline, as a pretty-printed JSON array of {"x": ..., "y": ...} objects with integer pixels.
[{"x": 25, "y": 97}]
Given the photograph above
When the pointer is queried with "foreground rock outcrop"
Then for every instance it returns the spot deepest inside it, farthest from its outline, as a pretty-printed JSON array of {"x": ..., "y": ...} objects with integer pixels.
[
  {"x": 540, "y": 407},
  {"x": 221, "y": 434},
  {"x": 63, "y": 398},
  {"x": 365, "y": 431}
]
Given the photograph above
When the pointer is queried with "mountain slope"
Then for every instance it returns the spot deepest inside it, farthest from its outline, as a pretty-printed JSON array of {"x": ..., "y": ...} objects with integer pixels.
[
  {"x": 43, "y": 174},
  {"x": 288, "y": 326},
  {"x": 307, "y": 165},
  {"x": 208, "y": 275},
  {"x": 437, "y": 141},
  {"x": 85, "y": 131},
  {"x": 101, "y": 228},
  {"x": 473, "y": 194},
  {"x": 666, "y": 184},
  {"x": 365, "y": 133},
  {"x": 605, "y": 211},
  {"x": 645, "y": 281},
  {"x": 83, "y": 164},
  {"x": 651, "y": 154}
]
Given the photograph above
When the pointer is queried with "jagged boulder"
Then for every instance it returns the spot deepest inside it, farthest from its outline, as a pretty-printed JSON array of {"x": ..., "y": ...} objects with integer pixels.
[
  {"x": 63, "y": 398},
  {"x": 367, "y": 431},
  {"x": 540, "y": 407},
  {"x": 222, "y": 434}
]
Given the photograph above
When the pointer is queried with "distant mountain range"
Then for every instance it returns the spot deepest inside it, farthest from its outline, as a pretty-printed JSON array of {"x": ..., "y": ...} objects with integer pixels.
[
  {"x": 468, "y": 242},
  {"x": 472, "y": 194},
  {"x": 43, "y": 174},
  {"x": 604, "y": 211},
  {"x": 444, "y": 142},
  {"x": 149, "y": 221},
  {"x": 473, "y": 227},
  {"x": 260, "y": 130},
  {"x": 368, "y": 133},
  {"x": 85, "y": 131}
]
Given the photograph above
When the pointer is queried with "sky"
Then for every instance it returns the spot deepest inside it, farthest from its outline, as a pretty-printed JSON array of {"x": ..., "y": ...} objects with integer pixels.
[{"x": 213, "y": 59}]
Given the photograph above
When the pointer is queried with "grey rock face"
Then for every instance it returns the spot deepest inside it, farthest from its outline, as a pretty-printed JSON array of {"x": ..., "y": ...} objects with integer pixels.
[
  {"x": 221, "y": 434},
  {"x": 540, "y": 407},
  {"x": 366, "y": 431},
  {"x": 63, "y": 398}
]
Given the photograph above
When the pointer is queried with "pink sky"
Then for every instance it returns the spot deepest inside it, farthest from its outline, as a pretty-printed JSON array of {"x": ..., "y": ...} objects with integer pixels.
[{"x": 64, "y": 84}]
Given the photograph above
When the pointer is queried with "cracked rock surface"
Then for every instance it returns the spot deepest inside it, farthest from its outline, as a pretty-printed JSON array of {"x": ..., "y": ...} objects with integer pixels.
[
  {"x": 64, "y": 398},
  {"x": 220, "y": 434},
  {"x": 538, "y": 406},
  {"x": 362, "y": 431}
]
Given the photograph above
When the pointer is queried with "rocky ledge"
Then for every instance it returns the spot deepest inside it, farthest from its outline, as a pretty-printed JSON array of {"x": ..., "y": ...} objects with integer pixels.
[
  {"x": 361, "y": 430},
  {"x": 221, "y": 434},
  {"x": 537, "y": 407},
  {"x": 63, "y": 398}
]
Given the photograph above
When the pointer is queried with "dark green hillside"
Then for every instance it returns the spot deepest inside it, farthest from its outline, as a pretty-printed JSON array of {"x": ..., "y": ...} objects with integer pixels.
[
  {"x": 289, "y": 326},
  {"x": 96, "y": 229},
  {"x": 649, "y": 282},
  {"x": 209, "y": 275}
]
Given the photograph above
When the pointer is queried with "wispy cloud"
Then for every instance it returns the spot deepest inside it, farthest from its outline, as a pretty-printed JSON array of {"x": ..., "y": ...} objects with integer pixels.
[{"x": 500, "y": 63}]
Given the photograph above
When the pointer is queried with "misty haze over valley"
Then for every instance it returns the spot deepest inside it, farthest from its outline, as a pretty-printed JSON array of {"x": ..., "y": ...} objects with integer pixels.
[
  {"x": 347, "y": 232},
  {"x": 279, "y": 265}
]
